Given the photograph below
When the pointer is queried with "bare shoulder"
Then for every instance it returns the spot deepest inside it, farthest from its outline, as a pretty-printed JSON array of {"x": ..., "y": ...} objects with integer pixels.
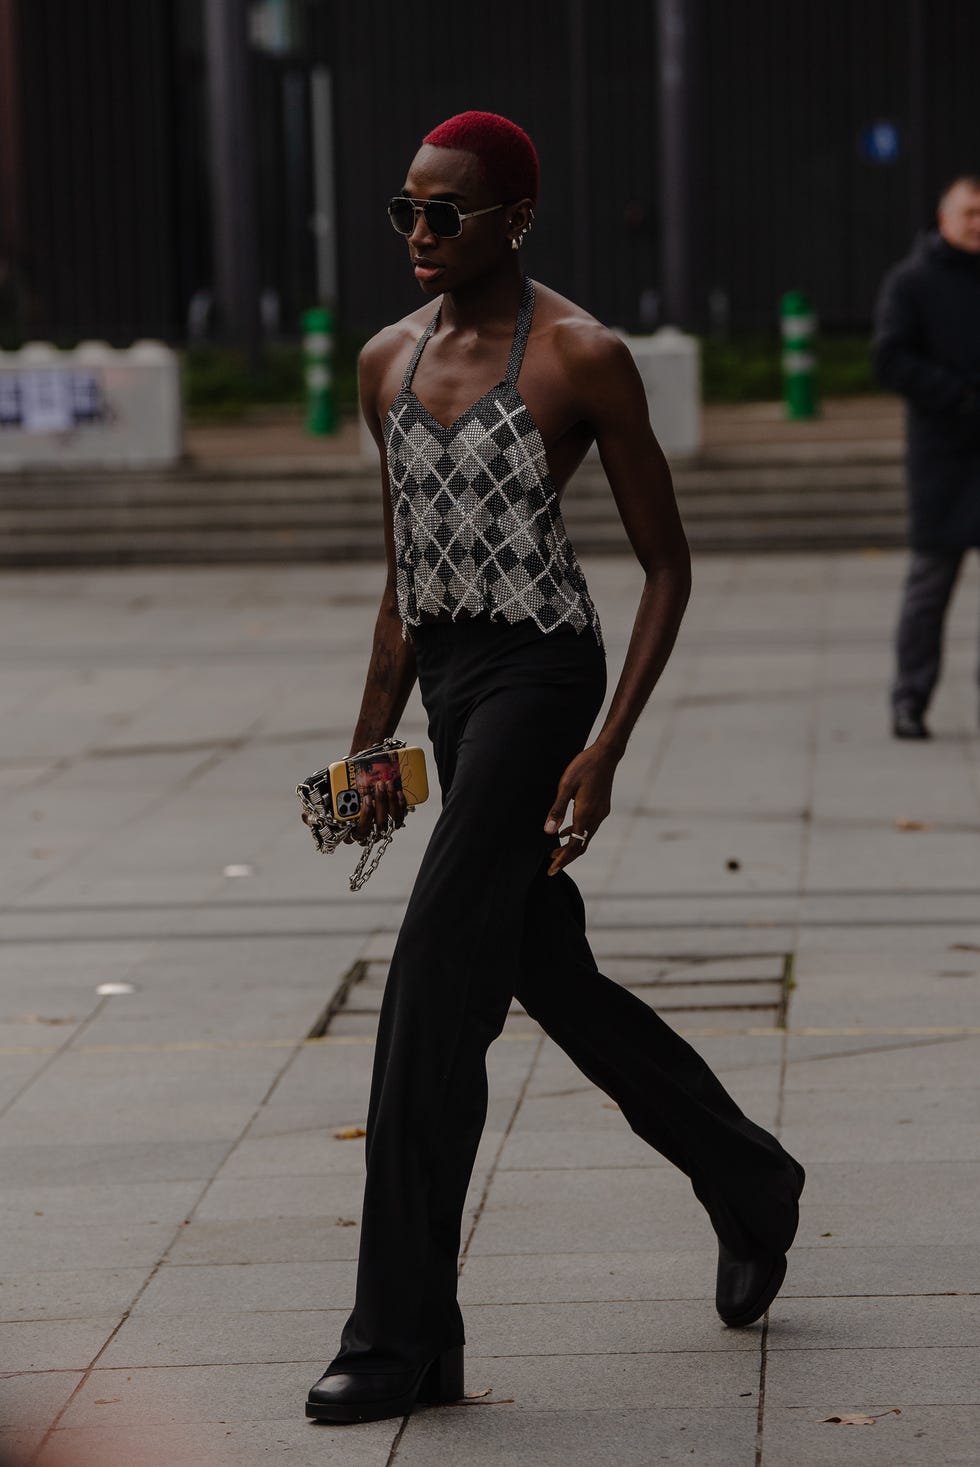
[
  {"x": 579, "y": 341},
  {"x": 393, "y": 341}
]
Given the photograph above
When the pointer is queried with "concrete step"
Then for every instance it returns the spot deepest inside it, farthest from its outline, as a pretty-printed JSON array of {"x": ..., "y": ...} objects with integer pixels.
[
  {"x": 27, "y": 489},
  {"x": 263, "y": 543},
  {"x": 582, "y": 514},
  {"x": 194, "y": 516}
]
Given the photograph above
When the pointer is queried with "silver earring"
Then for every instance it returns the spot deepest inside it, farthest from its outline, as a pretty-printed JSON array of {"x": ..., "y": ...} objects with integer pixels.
[{"x": 515, "y": 244}]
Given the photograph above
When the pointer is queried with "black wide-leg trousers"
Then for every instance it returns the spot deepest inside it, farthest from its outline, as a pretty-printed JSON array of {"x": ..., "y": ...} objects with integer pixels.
[{"x": 509, "y": 708}]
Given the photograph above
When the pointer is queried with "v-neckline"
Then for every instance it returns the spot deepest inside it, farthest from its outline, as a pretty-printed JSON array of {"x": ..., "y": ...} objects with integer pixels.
[
  {"x": 522, "y": 330},
  {"x": 443, "y": 428}
]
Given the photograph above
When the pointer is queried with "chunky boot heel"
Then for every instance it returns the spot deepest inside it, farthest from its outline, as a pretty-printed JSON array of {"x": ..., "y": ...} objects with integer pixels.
[
  {"x": 443, "y": 1381},
  {"x": 348, "y": 1398}
]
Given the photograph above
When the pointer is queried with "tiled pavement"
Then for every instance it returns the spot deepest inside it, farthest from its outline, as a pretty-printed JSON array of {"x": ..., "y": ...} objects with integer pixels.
[{"x": 798, "y": 893}]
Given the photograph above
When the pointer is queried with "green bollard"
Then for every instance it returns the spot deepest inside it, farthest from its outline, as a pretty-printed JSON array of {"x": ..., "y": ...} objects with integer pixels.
[
  {"x": 321, "y": 413},
  {"x": 798, "y": 323}
]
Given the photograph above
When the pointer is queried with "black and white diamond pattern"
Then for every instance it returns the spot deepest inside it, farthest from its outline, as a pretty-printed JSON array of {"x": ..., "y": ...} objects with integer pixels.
[{"x": 478, "y": 526}]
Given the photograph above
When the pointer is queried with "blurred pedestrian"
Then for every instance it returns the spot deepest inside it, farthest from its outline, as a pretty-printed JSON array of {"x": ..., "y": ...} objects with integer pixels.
[
  {"x": 927, "y": 347},
  {"x": 483, "y": 403}
]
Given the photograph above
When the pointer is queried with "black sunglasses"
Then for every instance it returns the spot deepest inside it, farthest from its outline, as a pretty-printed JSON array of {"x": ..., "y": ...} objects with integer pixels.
[{"x": 442, "y": 217}]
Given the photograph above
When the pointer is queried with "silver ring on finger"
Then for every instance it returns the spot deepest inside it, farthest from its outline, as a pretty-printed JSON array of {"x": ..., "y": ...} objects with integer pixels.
[{"x": 583, "y": 837}]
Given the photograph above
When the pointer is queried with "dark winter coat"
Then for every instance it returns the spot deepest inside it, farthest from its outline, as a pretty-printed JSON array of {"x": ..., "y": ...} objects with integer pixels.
[{"x": 927, "y": 347}]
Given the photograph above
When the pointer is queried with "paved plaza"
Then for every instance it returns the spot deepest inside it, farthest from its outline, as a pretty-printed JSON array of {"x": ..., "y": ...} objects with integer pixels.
[{"x": 794, "y": 890}]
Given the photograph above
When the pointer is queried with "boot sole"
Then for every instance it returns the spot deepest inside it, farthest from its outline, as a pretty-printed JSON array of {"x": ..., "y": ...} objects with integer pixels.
[{"x": 350, "y": 1415}]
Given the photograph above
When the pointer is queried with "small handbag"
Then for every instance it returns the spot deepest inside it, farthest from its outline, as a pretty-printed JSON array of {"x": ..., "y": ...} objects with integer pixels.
[{"x": 333, "y": 797}]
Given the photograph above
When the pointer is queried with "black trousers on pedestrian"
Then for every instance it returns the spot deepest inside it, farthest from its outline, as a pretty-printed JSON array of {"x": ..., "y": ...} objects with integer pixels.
[
  {"x": 929, "y": 584},
  {"x": 509, "y": 707}
]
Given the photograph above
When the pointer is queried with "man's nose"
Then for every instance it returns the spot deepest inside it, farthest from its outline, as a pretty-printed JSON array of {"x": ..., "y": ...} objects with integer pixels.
[{"x": 421, "y": 231}]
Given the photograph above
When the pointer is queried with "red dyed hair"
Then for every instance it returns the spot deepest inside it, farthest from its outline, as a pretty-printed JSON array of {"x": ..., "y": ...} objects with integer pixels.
[{"x": 505, "y": 151}]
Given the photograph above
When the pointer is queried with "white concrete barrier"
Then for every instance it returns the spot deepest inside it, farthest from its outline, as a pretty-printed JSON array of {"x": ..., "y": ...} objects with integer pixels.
[
  {"x": 93, "y": 407},
  {"x": 669, "y": 363}
]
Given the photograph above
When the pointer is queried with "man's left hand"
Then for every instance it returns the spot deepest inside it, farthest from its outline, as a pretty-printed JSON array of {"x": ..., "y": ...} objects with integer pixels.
[{"x": 587, "y": 783}]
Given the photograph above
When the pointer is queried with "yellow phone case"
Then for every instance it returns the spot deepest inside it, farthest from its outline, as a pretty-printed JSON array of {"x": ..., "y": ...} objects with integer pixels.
[{"x": 351, "y": 779}]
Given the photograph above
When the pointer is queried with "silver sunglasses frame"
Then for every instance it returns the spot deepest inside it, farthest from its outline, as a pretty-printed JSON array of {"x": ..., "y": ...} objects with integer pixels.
[{"x": 419, "y": 206}]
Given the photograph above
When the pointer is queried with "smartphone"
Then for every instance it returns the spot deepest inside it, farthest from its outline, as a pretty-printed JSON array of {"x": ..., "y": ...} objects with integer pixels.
[{"x": 352, "y": 779}]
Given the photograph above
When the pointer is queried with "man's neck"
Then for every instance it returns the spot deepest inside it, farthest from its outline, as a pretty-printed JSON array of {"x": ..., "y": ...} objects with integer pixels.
[{"x": 486, "y": 303}]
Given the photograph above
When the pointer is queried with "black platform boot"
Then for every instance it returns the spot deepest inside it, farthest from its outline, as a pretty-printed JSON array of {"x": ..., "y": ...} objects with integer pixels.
[
  {"x": 748, "y": 1284},
  {"x": 347, "y": 1398}
]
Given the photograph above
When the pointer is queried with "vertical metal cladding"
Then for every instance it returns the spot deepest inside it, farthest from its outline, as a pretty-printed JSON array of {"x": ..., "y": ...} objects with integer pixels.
[{"x": 114, "y": 176}]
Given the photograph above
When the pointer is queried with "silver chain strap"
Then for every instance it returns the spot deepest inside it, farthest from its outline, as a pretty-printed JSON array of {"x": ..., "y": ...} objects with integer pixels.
[
  {"x": 362, "y": 872},
  {"x": 329, "y": 833}
]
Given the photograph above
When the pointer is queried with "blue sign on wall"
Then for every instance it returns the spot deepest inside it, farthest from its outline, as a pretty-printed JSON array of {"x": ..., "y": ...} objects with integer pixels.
[{"x": 880, "y": 142}]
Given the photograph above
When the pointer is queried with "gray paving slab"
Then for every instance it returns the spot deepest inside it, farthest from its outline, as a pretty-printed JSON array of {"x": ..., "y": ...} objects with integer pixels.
[
  {"x": 226, "y": 1443},
  {"x": 285, "y": 1155},
  {"x": 910, "y": 1125},
  {"x": 193, "y": 1119},
  {"x": 923, "y": 1436},
  {"x": 190, "y": 1394},
  {"x": 326, "y": 1072},
  {"x": 307, "y": 1239},
  {"x": 215, "y": 1338},
  {"x": 307, "y": 1196},
  {"x": 34, "y": 1398},
  {"x": 139, "y": 1096},
  {"x": 70, "y": 1293},
  {"x": 877, "y": 1202},
  {"x": 85, "y": 1245},
  {"x": 203, "y": 1025},
  {"x": 852, "y": 1324},
  {"x": 54, "y": 1344},
  {"x": 531, "y": 1278},
  {"x": 66, "y": 1163},
  {"x": 229, "y": 1287},
  {"x": 620, "y": 1209},
  {"x": 84, "y": 1203},
  {"x": 589, "y": 1328},
  {"x": 932, "y": 1376},
  {"x": 627, "y": 1382},
  {"x": 928, "y": 1063},
  {"x": 633, "y": 1437},
  {"x": 871, "y": 1270},
  {"x": 18, "y": 1069},
  {"x": 755, "y": 815}
]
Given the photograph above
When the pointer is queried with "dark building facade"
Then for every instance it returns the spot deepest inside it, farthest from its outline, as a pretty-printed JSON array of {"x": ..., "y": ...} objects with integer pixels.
[{"x": 815, "y": 140}]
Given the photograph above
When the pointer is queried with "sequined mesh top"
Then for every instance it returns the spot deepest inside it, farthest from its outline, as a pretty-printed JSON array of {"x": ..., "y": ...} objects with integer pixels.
[{"x": 477, "y": 522}]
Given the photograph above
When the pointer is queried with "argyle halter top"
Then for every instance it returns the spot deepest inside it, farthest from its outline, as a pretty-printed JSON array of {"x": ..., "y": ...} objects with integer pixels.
[{"x": 477, "y": 522}]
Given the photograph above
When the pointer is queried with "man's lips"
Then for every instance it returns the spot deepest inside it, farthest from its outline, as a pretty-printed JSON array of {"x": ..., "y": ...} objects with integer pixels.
[{"x": 426, "y": 269}]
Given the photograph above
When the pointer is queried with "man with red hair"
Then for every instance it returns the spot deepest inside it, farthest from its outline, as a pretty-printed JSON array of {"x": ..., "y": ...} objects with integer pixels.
[{"x": 482, "y": 408}]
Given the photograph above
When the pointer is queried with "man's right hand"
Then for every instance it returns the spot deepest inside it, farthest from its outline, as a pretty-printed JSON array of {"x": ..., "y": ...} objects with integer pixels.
[{"x": 384, "y": 800}]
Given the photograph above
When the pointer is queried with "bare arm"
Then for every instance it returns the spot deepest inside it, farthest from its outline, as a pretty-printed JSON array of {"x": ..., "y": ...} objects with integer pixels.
[
  {"x": 614, "y": 402},
  {"x": 391, "y": 669}
]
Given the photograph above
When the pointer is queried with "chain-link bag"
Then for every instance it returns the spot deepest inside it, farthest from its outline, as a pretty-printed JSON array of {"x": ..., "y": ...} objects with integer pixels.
[{"x": 332, "y": 799}]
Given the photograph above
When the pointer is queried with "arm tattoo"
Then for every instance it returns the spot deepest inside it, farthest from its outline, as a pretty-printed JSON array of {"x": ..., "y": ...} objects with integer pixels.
[{"x": 384, "y": 670}]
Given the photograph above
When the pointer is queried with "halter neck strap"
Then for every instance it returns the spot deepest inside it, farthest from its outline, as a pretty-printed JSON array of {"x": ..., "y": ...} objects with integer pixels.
[
  {"x": 522, "y": 331},
  {"x": 419, "y": 349}
]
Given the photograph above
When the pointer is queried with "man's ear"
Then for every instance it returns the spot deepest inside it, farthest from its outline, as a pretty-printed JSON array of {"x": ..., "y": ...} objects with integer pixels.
[{"x": 520, "y": 219}]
